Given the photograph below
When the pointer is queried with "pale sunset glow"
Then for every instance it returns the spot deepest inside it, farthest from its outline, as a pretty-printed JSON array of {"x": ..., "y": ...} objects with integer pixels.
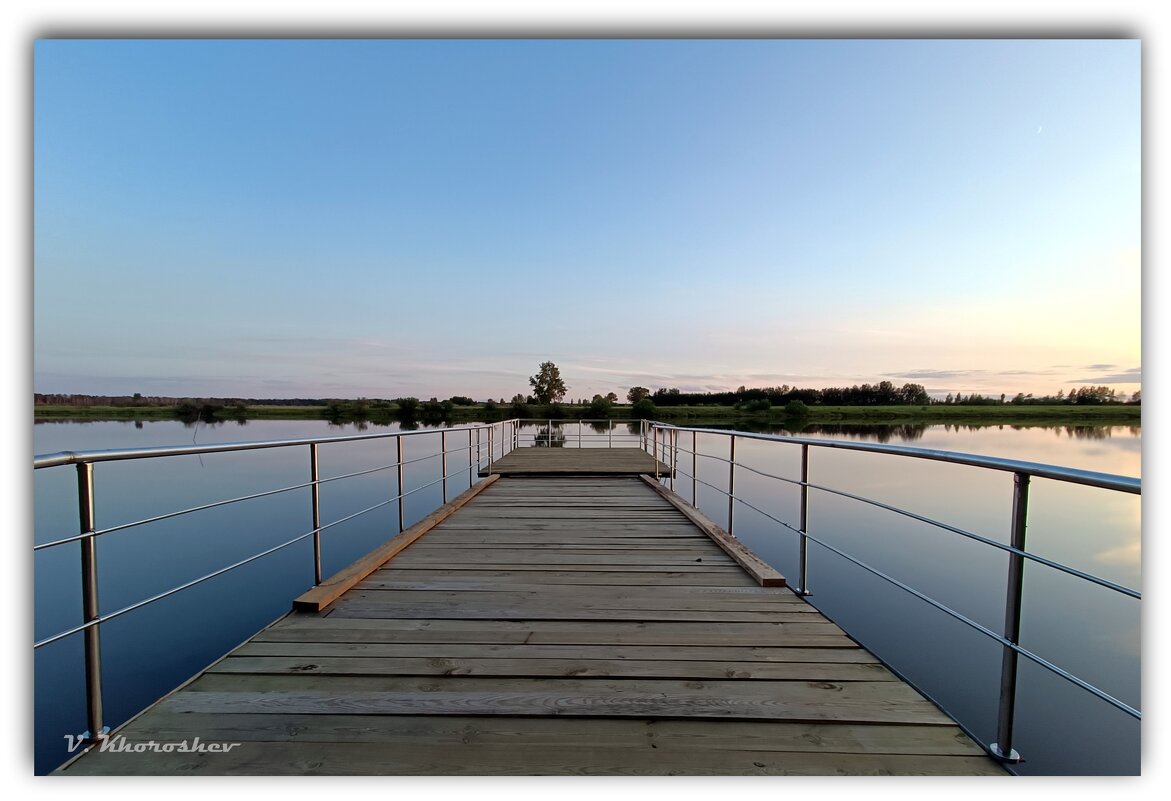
[{"x": 428, "y": 218}]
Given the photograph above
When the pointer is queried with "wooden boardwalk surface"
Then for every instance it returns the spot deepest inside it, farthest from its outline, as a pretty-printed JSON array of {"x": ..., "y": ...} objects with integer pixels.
[
  {"x": 552, "y": 626},
  {"x": 575, "y": 461}
]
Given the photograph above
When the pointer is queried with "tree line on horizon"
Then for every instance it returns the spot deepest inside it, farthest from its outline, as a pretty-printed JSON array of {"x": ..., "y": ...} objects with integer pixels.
[{"x": 884, "y": 393}]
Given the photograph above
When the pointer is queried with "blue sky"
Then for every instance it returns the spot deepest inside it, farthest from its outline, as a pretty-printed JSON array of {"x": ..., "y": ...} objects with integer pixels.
[{"x": 385, "y": 218}]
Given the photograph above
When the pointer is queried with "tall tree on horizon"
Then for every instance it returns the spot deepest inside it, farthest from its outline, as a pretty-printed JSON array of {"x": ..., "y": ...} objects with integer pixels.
[{"x": 547, "y": 384}]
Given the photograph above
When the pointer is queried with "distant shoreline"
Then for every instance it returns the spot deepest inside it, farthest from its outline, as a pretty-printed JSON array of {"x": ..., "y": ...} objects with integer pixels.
[{"x": 937, "y": 414}]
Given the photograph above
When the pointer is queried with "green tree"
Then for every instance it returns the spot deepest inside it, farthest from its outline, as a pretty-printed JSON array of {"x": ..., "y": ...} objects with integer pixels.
[
  {"x": 599, "y": 406},
  {"x": 643, "y": 409},
  {"x": 407, "y": 407},
  {"x": 547, "y": 384},
  {"x": 637, "y": 393},
  {"x": 611, "y": 397}
]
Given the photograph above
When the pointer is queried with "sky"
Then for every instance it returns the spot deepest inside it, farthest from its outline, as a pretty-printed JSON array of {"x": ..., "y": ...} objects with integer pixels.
[{"x": 409, "y": 217}]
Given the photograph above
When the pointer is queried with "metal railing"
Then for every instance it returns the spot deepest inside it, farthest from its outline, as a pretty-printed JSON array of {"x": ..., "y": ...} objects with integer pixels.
[
  {"x": 662, "y": 440},
  {"x": 487, "y": 442},
  {"x": 552, "y": 432},
  {"x": 482, "y": 443}
]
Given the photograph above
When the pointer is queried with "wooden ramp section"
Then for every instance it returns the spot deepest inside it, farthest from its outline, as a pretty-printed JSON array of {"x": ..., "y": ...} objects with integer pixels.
[
  {"x": 535, "y": 462},
  {"x": 552, "y": 626}
]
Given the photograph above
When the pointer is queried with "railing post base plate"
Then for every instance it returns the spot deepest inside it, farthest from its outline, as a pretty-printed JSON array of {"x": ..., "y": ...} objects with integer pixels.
[
  {"x": 89, "y": 739},
  {"x": 1012, "y": 757}
]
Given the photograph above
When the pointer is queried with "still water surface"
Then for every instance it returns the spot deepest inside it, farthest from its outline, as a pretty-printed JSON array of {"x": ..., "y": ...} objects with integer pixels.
[{"x": 1087, "y": 630}]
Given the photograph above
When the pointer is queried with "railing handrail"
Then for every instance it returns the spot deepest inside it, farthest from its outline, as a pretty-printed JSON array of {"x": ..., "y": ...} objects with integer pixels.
[
  {"x": 87, "y": 538},
  {"x": 1022, "y": 473},
  {"x": 116, "y": 454},
  {"x": 1069, "y": 474}
]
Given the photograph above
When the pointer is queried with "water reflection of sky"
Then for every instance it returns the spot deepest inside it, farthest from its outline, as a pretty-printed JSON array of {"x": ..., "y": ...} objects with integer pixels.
[{"x": 1084, "y": 629}]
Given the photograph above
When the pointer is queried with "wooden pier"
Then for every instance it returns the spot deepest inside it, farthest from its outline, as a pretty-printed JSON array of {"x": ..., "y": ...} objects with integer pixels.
[
  {"x": 580, "y": 624},
  {"x": 575, "y": 462}
]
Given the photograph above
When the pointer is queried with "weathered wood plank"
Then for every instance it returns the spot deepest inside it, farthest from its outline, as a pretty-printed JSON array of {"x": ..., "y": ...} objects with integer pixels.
[
  {"x": 391, "y": 580},
  {"x": 492, "y": 557},
  {"x": 603, "y": 567},
  {"x": 614, "y": 668},
  {"x": 802, "y": 701},
  {"x": 164, "y": 724},
  {"x": 308, "y": 647},
  {"x": 553, "y": 576},
  {"x": 371, "y": 609},
  {"x": 582, "y": 759},
  {"x": 560, "y": 632},
  {"x": 587, "y": 598}
]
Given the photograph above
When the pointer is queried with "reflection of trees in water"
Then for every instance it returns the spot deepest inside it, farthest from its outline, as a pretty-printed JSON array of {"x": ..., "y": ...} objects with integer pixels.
[
  {"x": 911, "y": 432},
  {"x": 1090, "y": 432},
  {"x": 904, "y": 432},
  {"x": 600, "y": 426},
  {"x": 549, "y": 437},
  {"x": 201, "y": 423}
]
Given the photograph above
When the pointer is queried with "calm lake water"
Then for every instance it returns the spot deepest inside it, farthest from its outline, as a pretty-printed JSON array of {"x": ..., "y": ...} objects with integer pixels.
[{"x": 1088, "y": 630}]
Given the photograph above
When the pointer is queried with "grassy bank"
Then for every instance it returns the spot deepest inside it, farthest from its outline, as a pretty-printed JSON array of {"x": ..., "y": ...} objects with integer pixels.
[{"x": 1008, "y": 414}]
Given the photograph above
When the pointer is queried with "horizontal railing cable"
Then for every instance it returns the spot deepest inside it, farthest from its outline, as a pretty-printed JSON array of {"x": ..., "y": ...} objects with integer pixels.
[
  {"x": 168, "y": 515},
  {"x": 172, "y": 591},
  {"x": 213, "y": 505},
  {"x": 1067, "y": 474},
  {"x": 122, "y": 454},
  {"x": 1122, "y": 705},
  {"x": 1035, "y": 658},
  {"x": 1072, "y": 571},
  {"x": 194, "y": 582}
]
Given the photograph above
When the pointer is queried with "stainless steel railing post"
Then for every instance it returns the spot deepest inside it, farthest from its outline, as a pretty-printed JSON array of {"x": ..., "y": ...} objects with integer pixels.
[
  {"x": 490, "y": 448},
  {"x": 803, "y": 539},
  {"x": 655, "y": 449},
  {"x": 674, "y": 455},
  {"x": 609, "y": 433},
  {"x": 694, "y": 470},
  {"x": 401, "y": 499},
  {"x": 1002, "y": 749},
  {"x": 95, "y": 730},
  {"x": 731, "y": 483},
  {"x": 471, "y": 472},
  {"x": 315, "y": 500},
  {"x": 443, "y": 450}
]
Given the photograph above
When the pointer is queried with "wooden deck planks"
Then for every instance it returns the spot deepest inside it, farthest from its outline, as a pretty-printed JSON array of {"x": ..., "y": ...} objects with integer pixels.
[{"x": 561, "y": 626}]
